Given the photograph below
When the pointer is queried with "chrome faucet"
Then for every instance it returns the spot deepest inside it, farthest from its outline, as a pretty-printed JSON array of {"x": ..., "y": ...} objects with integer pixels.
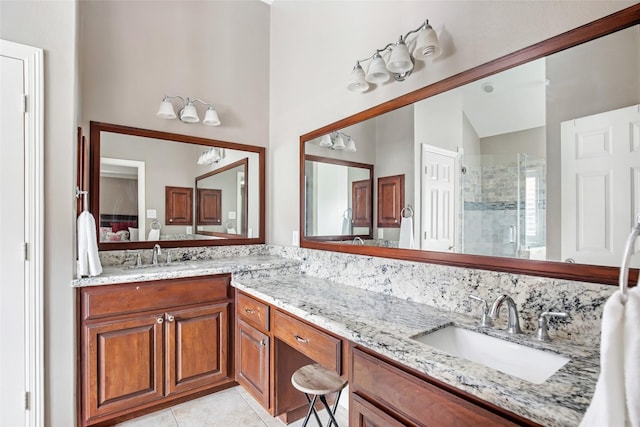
[
  {"x": 358, "y": 241},
  {"x": 513, "y": 323},
  {"x": 156, "y": 251}
]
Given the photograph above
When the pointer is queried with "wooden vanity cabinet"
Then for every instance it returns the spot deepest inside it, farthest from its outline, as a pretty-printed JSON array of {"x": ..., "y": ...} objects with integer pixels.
[
  {"x": 253, "y": 346},
  {"x": 385, "y": 394},
  {"x": 147, "y": 345}
]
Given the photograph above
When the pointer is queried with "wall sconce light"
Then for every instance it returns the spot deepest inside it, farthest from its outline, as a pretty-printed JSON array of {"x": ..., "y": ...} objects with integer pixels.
[
  {"x": 401, "y": 59},
  {"x": 336, "y": 141},
  {"x": 187, "y": 112},
  {"x": 211, "y": 156}
]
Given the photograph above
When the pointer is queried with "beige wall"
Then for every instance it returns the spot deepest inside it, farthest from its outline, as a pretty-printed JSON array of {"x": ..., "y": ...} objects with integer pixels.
[
  {"x": 273, "y": 75},
  {"x": 51, "y": 25}
]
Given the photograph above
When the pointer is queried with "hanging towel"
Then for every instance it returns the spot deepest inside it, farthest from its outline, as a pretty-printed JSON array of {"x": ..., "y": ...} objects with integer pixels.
[
  {"x": 154, "y": 234},
  {"x": 607, "y": 407},
  {"x": 88, "y": 259},
  {"x": 632, "y": 356},
  {"x": 346, "y": 226},
  {"x": 406, "y": 233}
]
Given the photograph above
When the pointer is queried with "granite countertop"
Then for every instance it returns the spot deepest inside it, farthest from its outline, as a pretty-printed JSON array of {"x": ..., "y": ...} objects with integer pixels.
[
  {"x": 386, "y": 324},
  {"x": 244, "y": 266}
]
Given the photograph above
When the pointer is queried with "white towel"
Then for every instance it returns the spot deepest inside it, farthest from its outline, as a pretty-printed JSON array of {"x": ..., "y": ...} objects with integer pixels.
[
  {"x": 346, "y": 226},
  {"x": 88, "y": 259},
  {"x": 154, "y": 234},
  {"x": 406, "y": 233},
  {"x": 615, "y": 401},
  {"x": 632, "y": 356}
]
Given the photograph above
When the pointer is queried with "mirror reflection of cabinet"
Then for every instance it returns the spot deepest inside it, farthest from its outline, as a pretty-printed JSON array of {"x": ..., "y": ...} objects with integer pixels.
[
  {"x": 209, "y": 207},
  {"x": 361, "y": 203},
  {"x": 178, "y": 205},
  {"x": 390, "y": 200}
]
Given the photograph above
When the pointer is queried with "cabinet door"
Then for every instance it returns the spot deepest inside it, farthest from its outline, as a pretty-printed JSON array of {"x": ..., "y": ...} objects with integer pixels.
[
  {"x": 197, "y": 347},
  {"x": 124, "y": 364},
  {"x": 361, "y": 203},
  {"x": 209, "y": 207},
  {"x": 178, "y": 206},
  {"x": 364, "y": 414},
  {"x": 390, "y": 200},
  {"x": 253, "y": 362}
]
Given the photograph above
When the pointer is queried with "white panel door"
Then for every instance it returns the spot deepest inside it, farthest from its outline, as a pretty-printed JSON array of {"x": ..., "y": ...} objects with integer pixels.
[
  {"x": 438, "y": 197},
  {"x": 13, "y": 374},
  {"x": 600, "y": 185}
]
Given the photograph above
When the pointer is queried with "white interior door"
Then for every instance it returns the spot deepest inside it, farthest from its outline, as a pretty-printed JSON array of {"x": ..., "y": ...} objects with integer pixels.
[
  {"x": 13, "y": 369},
  {"x": 600, "y": 185},
  {"x": 439, "y": 201},
  {"x": 21, "y": 235}
]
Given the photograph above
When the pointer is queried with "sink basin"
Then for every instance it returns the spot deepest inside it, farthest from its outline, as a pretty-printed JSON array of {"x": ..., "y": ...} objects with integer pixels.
[
  {"x": 524, "y": 362},
  {"x": 159, "y": 265}
]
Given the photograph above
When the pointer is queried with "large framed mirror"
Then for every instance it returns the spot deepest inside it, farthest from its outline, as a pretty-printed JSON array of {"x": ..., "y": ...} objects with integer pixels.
[
  {"x": 527, "y": 164},
  {"x": 149, "y": 187}
]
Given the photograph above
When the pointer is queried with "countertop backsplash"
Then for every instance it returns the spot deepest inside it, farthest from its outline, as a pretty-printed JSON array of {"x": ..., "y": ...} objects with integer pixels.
[{"x": 439, "y": 286}]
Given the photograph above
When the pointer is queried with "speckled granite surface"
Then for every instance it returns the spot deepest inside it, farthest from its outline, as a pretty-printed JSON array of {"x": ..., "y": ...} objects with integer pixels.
[
  {"x": 239, "y": 266},
  {"x": 386, "y": 324}
]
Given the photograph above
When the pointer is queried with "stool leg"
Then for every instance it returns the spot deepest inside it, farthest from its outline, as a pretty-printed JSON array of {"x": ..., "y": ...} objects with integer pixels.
[
  {"x": 312, "y": 403},
  {"x": 326, "y": 405},
  {"x": 335, "y": 406}
]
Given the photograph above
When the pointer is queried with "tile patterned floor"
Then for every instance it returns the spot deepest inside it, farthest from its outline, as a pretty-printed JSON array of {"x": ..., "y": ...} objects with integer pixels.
[{"x": 230, "y": 408}]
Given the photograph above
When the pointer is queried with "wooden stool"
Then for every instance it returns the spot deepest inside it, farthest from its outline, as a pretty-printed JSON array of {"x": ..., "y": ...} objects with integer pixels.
[{"x": 318, "y": 381}]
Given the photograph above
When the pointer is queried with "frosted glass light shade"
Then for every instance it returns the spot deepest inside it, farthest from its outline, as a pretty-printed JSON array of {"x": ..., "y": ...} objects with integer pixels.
[
  {"x": 351, "y": 145},
  {"x": 427, "y": 44},
  {"x": 166, "y": 111},
  {"x": 189, "y": 114},
  {"x": 377, "y": 72},
  {"x": 357, "y": 82},
  {"x": 211, "y": 117},
  {"x": 400, "y": 61},
  {"x": 338, "y": 143},
  {"x": 325, "y": 141}
]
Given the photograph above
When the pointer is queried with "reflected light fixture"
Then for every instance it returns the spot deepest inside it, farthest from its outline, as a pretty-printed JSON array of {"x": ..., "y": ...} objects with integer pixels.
[
  {"x": 187, "y": 111},
  {"x": 419, "y": 44},
  {"x": 337, "y": 141},
  {"x": 211, "y": 155}
]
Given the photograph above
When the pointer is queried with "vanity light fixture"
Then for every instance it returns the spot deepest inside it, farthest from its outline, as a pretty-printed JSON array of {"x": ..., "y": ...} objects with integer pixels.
[
  {"x": 401, "y": 59},
  {"x": 338, "y": 141},
  {"x": 187, "y": 112},
  {"x": 211, "y": 156}
]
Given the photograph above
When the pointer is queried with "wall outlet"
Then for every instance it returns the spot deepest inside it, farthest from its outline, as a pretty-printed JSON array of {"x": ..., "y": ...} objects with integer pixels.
[
  {"x": 295, "y": 238},
  {"x": 380, "y": 233},
  {"x": 232, "y": 214},
  {"x": 189, "y": 229},
  {"x": 151, "y": 213}
]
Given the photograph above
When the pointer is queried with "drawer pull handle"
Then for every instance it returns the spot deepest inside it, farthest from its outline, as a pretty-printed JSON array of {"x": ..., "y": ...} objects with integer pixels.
[
  {"x": 249, "y": 311},
  {"x": 160, "y": 320},
  {"x": 170, "y": 318},
  {"x": 300, "y": 339}
]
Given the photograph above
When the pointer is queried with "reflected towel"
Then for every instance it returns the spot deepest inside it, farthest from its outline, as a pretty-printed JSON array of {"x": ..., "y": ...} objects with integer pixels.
[
  {"x": 88, "y": 259},
  {"x": 406, "y": 233},
  {"x": 154, "y": 234},
  {"x": 607, "y": 407},
  {"x": 346, "y": 226}
]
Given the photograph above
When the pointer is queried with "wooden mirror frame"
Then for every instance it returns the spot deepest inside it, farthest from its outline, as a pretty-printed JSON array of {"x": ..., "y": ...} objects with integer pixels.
[
  {"x": 581, "y": 272},
  {"x": 94, "y": 189}
]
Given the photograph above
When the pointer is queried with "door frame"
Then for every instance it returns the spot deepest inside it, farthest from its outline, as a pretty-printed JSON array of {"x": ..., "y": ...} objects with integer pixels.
[{"x": 33, "y": 59}]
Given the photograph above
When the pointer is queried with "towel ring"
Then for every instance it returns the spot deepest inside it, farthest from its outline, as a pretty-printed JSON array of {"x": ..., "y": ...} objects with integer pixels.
[
  {"x": 408, "y": 210},
  {"x": 347, "y": 214},
  {"x": 155, "y": 225}
]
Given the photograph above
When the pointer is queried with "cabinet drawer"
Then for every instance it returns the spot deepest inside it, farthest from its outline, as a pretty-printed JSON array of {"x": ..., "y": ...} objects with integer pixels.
[
  {"x": 313, "y": 343},
  {"x": 414, "y": 399},
  {"x": 253, "y": 312},
  {"x": 111, "y": 300}
]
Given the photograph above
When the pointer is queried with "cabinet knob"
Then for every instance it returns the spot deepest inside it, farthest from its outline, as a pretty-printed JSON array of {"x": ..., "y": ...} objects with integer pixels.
[
  {"x": 249, "y": 311},
  {"x": 160, "y": 320},
  {"x": 300, "y": 339},
  {"x": 262, "y": 343},
  {"x": 170, "y": 219},
  {"x": 170, "y": 318}
]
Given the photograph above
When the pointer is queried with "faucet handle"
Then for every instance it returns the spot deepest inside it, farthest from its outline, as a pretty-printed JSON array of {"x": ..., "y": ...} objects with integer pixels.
[
  {"x": 137, "y": 255},
  {"x": 542, "y": 334},
  {"x": 485, "y": 322}
]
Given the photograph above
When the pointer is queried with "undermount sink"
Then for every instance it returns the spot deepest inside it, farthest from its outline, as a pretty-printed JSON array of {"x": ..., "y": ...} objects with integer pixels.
[
  {"x": 158, "y": 265},
  {"x": 524, "y": 362}
]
